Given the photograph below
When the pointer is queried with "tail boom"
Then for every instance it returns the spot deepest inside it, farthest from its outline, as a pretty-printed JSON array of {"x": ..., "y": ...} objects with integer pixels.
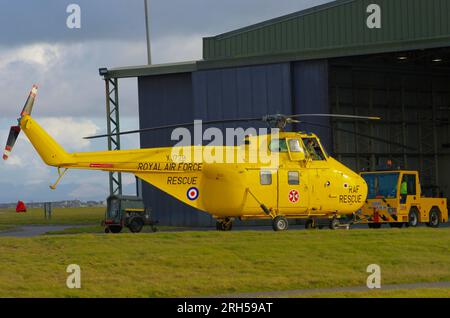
[{"x": 48, "y": 149}]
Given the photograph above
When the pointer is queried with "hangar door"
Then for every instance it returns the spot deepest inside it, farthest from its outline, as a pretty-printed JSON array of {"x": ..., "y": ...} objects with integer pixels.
[{"x": 413, "y": 98}]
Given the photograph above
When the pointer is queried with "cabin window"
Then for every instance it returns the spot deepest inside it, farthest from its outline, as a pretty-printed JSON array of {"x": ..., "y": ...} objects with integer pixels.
[
  {"x": 313, "y": 149},
  {"x": 293, "y": 178},
  {"x": 294, "y": 145},
  {"x": 410, "y": 180},
  {"x": 266, "y": 177},
  {"x": 278, "y": 145}
]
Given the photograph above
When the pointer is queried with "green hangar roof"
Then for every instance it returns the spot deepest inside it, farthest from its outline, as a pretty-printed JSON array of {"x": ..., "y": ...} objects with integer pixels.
[{"x": 339, "y": 28}]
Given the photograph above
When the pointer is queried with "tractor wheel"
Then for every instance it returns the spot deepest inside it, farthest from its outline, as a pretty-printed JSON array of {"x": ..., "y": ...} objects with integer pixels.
[
  {"x": 280, "y": 223},
  {"x": 434, "y": 218},
  {"x": 115, "y": 228},
  {"x": 374, "y": 225},
  {"x": 413, "y": 217},
  {"x": 136, "y": 224}
]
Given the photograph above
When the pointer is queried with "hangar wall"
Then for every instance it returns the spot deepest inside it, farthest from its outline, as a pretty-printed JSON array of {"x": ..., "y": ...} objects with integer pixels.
[
  {"x": 220, "y": 94},
  {"x": 242, "y": 92},
  {"x": 310, "y": 95}
]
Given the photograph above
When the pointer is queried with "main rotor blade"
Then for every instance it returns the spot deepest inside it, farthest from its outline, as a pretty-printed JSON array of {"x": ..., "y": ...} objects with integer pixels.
[
  {"x": 28, "y": 107},
  {"x": 269, "y": 118},
  {"x": 335, "y": 116},
  {"x": 389, "y": 142},
  {"x": 176, "y": 126}
]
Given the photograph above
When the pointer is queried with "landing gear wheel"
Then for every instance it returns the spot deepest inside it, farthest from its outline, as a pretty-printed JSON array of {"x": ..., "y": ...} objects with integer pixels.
[
  {"x": 115, "y": 228},
  {"x": 310, "y": 224},
  {"x": 280, "y": 223},
  {"x": 225, "y": 225},
  {"x": 136, "y": 225},
  {"x": 413, "y": 217},
  {"x": 334, "y": 224},
  {"x": 374, "y": 225},
  {"x": 434, "y": 218}
]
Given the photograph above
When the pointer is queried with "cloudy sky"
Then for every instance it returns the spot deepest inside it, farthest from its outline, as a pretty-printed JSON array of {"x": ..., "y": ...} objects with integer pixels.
[{"x": 37, "y": 47}]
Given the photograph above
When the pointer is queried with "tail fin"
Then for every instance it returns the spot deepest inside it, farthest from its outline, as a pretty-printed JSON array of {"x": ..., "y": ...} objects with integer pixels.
[{"x": 49, "y": 150}]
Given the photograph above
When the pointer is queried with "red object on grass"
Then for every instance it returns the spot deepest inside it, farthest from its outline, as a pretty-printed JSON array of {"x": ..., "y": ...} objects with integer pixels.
[{"x": 21, "y": 207}]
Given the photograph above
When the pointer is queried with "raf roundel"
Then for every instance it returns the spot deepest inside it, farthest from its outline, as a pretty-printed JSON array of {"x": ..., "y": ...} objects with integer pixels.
[{"x": 192, "y": 193}]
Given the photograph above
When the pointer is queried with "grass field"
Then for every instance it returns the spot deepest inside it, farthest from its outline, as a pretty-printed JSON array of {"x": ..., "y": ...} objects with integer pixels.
[
  {"x": 416, "y": 293},
  {"x": 210, "y": 263},
  {"x": 85, "y": 216}
]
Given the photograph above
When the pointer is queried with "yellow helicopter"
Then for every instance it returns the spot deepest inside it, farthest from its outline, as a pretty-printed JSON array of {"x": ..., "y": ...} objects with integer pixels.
[{"x": 293, "y": 177}]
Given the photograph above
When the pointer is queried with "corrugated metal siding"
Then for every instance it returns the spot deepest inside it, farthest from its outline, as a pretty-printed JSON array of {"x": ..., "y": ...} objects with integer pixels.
[
  {"x": 336, "y": 26},
  {"x": 310, "y": 87},
  {"x": 242, "y": 92}
]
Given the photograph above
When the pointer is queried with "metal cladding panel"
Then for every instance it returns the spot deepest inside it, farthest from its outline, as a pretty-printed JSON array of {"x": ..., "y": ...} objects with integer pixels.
[
  {"x": 242, "y": 92},
  {"x": 339, "y": 27},
  {"x": 164, "y": 100},
  {"x": 310, "y": 87}
]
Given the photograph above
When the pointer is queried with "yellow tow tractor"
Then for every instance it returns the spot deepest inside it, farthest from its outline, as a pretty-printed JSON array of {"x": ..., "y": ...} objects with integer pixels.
[{"x": 395, "y": 198}]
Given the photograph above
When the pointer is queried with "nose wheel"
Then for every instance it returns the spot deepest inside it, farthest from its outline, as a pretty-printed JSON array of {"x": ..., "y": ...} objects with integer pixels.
[{"x": 280, "y": 223}]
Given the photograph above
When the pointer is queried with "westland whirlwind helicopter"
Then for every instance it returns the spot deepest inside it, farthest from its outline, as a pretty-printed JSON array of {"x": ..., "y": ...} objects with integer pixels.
[{"x": 304, "y": 182}]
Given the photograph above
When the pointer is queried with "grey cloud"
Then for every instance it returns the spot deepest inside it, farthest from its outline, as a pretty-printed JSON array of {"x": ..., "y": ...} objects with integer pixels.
[{"x": 26, "y": 21}]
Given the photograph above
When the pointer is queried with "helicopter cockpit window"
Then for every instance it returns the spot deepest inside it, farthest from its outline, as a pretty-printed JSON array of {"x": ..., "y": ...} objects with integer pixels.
[
  {"x": 278, "y": 145},
  {"x": 294, "y": 145},
  {"x": 266, "y": 177},
  {"x": 313, "y": 148}
]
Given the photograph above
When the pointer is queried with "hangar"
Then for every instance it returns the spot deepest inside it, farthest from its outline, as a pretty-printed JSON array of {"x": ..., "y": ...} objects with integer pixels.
[{"x": 380, "y": 57}]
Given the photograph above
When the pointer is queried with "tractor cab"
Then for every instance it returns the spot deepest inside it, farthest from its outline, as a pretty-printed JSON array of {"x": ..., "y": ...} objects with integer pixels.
[{"x": 126, "y": 211}]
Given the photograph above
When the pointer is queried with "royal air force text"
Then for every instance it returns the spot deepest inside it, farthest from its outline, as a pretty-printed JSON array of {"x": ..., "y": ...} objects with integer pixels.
[{"x": 169, "y": 166}]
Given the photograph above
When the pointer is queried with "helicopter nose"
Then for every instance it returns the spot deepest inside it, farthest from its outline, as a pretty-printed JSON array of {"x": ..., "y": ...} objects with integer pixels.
[
  {"x": 363, "y": 188},
  {"x": 355, "y": 193}
]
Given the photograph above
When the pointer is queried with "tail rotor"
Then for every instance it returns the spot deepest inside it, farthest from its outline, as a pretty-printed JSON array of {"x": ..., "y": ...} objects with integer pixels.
[
  {"x": 13, "y": 134},
  {"x": 15, "y": 130},
  {"x": 28, "y": 107}
]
